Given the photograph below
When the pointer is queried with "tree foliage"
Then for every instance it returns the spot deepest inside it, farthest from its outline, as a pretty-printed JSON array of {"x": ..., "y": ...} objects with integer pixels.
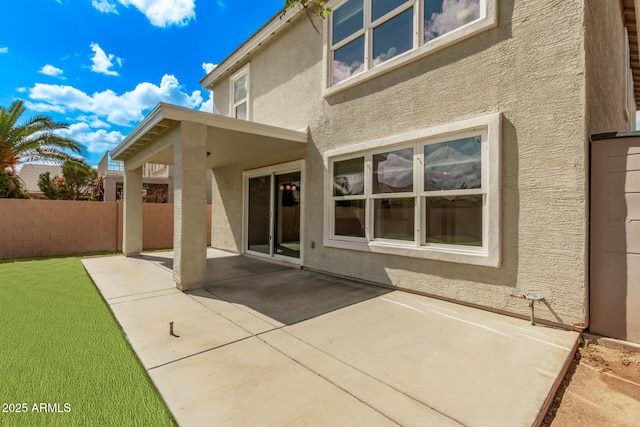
[
  {"x": 311, "y": 7},
  {"x": 33, "y": 140},
  {"x": 11, "y": 186},
  {"x": 77, "y": 182},
  {"x": 48, "y": 188}
]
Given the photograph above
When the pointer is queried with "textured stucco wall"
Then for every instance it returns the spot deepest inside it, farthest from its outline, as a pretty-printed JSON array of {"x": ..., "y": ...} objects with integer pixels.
[
  {"x": 605, "y": 72},
  {"x": 531, "y": 68}
]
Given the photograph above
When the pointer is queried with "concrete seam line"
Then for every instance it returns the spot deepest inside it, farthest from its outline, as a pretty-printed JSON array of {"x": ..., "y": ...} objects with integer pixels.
[
  {"x": 199, "y": 352},
  {"x": 230, "y": 320},
  {"x": 140, "y": 296},
  {"x": 358, "y": 370},
  {"x": 327, "y": 379}
]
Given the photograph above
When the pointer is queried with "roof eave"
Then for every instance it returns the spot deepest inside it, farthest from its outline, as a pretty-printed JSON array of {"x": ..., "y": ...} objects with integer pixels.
[
  {"x": 151, "y": 120},
  {"x": 272, "y": 26},
  {"x": 164, "y": 115}
]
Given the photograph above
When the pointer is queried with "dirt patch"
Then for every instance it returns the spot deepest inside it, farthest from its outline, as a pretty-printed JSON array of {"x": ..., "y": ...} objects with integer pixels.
[{"x": 601, "y": 388}]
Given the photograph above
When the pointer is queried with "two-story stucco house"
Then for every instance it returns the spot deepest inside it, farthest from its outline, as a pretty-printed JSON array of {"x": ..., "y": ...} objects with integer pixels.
[{"x": 437, "y": 146}]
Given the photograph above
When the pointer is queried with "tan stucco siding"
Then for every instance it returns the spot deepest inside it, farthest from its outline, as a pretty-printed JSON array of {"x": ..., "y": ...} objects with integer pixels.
[
  {"x": 531, "y": 69},
  {"x": 227, "y": 198},
  {"x": 605, "y": 70}
]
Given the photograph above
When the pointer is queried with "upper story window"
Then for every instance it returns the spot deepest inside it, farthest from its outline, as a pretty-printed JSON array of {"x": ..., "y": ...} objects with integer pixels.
[
  {"x": 432, "y": 194},
  {"x": 239, "y": 97},
  {"x": 368, "y": 37}
]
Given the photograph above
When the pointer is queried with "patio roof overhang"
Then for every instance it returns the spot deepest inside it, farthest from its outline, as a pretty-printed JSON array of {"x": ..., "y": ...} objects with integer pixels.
[{"x": 229, "y": 140}]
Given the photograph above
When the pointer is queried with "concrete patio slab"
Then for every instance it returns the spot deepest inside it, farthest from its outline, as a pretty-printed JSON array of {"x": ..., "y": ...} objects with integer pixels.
[
  {"x": 222, "y": 265},
  {"x": 119, "y": 276},
  {"x": 196, "y": 328},
  {"x": 395, "y": 405},
  {"x": 293, "y": 295},
  {"x": 446, "y": 356},
  {"x": 283, "y": 346},
  {"x": 252, "y": 384},
  {"x": 249, "y": 320}
]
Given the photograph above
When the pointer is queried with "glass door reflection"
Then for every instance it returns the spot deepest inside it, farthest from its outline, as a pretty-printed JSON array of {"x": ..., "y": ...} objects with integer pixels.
[
  {"x": 258, "y": 236},
  {"x": 286, "y": 227}
]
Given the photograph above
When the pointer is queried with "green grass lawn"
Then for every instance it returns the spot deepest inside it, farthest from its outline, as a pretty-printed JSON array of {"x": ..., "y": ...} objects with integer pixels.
[{"x": 60, "y": 346}]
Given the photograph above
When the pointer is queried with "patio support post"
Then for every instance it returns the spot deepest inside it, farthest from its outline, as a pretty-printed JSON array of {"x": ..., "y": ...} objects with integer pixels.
[
  {"x": 190, "y": 206},
  {"x": 132, "y": 217}
]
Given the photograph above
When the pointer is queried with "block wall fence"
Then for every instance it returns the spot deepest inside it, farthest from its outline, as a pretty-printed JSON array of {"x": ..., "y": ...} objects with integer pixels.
[{"x": 34, "y": 228}]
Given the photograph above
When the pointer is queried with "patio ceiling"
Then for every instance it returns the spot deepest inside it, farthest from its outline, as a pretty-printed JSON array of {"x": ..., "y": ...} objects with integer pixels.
[{"x": 229, "y": 140}]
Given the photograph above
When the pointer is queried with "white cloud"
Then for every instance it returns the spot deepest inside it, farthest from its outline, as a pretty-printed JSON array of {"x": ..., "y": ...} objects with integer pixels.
[
  {"x": 455, "y": 13},
  {"x": 21, "y": 89},
  {"x": 40, "y": 108},
  {"x": 208, "y": 67},
  {"x": 208, "y": 104},
  {"x": 97, "y": 141},
  {"x": 50, "y": 70},
  {"x": 163, "y": 13},
  {"x": 105, "y": 6},
  {"x": 121, "y": 110},
  {"x": 93, "y": 121},
  {"x": 103, "y": 62},
  {"x": 4, "y": 49},
  {"x": 343, "y": 70}
]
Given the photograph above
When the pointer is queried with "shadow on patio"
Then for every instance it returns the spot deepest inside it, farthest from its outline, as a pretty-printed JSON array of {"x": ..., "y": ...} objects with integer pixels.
[
  {"x": 269, "y": 344},
  {"x": 285, "y": 294}
]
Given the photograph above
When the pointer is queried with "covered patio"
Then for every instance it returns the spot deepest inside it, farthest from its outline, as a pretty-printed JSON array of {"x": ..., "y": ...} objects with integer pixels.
[
  {"x": 193, "y": 142},
  {"x": 266, "y": 344}
]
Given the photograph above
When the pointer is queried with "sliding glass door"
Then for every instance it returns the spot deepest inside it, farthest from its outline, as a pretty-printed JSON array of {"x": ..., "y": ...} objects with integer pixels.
[
  {"x": 287, "y": 215},
  {"x": 259, "y": 227},
  {"x": 273, "y": 214}
]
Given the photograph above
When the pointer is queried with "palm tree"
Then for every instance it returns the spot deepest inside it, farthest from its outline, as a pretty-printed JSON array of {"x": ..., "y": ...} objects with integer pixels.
[{"x": 31, "y": 141}]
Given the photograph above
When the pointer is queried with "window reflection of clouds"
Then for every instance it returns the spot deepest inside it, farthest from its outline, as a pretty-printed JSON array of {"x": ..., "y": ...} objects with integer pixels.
[
  {"x": 393, "y": 37},
  {"x": 453, "y": 165},
  {"x": 348, "y": 60},
  {"x": 443, "y": 16},
  {"x": 393, "y": 172}
]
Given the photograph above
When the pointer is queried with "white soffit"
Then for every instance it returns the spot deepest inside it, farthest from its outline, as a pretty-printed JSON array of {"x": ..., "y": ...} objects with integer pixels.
[{"x": 166, "y": 116}]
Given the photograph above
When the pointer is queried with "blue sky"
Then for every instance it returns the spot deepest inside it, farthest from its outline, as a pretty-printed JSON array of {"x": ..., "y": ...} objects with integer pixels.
[{"x": 102, "y": 65}]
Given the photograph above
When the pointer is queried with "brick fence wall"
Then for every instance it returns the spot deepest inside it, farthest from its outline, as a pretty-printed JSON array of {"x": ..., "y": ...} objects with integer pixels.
[{"x": 32, "y": 228}]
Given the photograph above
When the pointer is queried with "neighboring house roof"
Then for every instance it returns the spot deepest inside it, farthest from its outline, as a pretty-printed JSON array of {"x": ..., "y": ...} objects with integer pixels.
[{"x": 31, "y": 173}]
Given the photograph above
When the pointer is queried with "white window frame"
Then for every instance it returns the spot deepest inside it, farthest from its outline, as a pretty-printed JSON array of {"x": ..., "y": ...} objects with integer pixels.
[
  {"x": 488, "y": 19},
  {"x": 489, "y": 254},
  {"x": 244, "y": 71}
]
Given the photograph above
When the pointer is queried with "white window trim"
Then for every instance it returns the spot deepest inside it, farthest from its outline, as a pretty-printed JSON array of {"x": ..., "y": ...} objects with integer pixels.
[
  {"x": 488, "y": 19},
  {"x": 294, "y": 166},
  {"x": 232, "y": 104},
  {"x": 489, "y": 255}
]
